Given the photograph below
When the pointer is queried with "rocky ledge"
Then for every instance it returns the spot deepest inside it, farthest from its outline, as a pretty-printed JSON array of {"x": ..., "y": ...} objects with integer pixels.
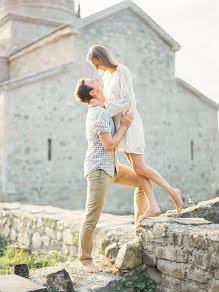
[{"x": 180, "y": 252}]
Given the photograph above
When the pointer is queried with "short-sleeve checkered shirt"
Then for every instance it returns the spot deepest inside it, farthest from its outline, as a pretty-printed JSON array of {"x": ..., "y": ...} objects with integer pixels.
[{"x": 99, "y": 121}]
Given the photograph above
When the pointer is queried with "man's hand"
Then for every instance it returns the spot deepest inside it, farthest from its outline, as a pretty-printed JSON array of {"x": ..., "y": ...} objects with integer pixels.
[
  {"x": 126, "y": 119},
  {"x": 95, "y": 102}
]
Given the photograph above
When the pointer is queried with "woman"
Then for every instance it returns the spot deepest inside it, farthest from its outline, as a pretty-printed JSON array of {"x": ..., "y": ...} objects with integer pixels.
[{"x": 119, "y": 94}]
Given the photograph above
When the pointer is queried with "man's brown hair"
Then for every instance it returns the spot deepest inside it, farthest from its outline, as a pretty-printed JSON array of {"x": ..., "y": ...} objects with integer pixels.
[{"x": 82, "y": 91}]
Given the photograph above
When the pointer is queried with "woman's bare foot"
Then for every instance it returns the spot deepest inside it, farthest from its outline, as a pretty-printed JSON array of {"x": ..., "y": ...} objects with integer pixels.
[
  {"x": 151, "y": 211},
  {"x": 91, "y": 267},
  {"x": 176, "y": 197}
]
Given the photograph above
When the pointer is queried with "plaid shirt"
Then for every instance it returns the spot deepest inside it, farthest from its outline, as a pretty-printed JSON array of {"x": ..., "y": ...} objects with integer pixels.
[{"x": 99, "y": 121}]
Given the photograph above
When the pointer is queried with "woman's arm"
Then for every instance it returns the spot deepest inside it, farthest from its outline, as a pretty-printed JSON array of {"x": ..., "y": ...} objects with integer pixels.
[{"x": 123, "y": 102}]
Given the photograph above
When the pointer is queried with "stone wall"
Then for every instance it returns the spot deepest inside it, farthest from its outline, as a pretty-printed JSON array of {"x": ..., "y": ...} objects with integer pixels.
[
  {"x": 180, "y": 252},
  {"x": 60, "y": 11},
  {"x": 48, "y": 230},
  {"x": 184, "y": 251},
  {"x": 50, "y": 52}
]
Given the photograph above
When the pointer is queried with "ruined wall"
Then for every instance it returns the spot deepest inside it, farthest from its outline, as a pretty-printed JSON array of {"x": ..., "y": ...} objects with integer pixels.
[
  {"x": 48, "y": 230},
  {"x": 179, "y": 252}
]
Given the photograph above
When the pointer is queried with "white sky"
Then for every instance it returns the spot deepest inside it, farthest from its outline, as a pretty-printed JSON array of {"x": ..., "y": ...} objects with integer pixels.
[{"x": 194, "y": 24}]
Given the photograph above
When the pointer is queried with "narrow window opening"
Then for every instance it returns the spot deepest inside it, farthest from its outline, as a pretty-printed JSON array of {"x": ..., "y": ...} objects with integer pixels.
[
  {"x": 49, "y": 149},
  {"x": 192, "y": 150}
]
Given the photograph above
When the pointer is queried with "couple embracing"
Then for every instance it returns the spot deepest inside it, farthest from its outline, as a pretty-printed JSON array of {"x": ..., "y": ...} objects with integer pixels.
[{"x": 112, "y": 124}]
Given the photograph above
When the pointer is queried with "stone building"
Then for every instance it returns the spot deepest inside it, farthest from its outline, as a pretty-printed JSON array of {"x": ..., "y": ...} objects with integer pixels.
[{"x": 43, "y": 49}]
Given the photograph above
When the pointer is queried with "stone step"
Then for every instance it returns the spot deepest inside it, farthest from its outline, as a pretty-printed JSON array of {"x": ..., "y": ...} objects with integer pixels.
[
  {"x": 82, "y": 281},
  {"x": 12, "y": 283}
]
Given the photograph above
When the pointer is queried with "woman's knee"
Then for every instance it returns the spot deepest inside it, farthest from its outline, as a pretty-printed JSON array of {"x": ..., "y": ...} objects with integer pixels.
[{"x": 139, "y": 168}]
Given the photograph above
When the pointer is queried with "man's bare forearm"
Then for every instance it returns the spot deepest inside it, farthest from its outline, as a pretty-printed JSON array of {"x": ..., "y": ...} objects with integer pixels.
[{"x": 117, "y": 137}]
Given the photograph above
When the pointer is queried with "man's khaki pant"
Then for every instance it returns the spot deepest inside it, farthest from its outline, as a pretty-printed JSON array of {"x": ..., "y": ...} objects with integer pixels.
[{"x": 98, "y": 185}]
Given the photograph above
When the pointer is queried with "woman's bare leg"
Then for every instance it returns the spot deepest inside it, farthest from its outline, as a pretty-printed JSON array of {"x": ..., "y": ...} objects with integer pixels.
[
  {"x": 152, "y": 207},
  {"x": 143, "y": 169}
]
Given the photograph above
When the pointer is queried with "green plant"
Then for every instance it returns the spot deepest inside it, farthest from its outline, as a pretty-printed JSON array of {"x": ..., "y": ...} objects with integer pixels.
[
  {"x": 140, "y": 282},
  {"x": 12, "y": 254}
]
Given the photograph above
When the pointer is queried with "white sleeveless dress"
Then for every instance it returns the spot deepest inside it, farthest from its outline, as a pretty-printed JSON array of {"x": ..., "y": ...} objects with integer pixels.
[{"x": 119, "y": 94}]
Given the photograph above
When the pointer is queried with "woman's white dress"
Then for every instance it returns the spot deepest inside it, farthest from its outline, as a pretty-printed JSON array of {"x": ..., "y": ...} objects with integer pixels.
[{"x": 119, "y": 94}]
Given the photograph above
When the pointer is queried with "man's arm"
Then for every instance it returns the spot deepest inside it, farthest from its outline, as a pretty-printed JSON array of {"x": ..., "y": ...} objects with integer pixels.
[{"x": 110, "y": 142}]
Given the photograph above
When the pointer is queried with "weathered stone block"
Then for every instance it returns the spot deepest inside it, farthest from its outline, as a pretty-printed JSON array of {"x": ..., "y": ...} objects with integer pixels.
[
  {"x": 171, "y": 283},
  {"x": 27, "y": 239},
  {"x": 172, "y": 254},
  {"x": 65, "y": 249},
  {"x": 40, "y": 222},
  {"x": 197, "y": 241},
  {"x": 55, "y": 244},
  {"x": 214, "y": 286},
  {"x": 198, "y": 275},
  {"x": 13, "y": 234},
  {"x": 200, "y": 260},
  {"x": 21, "y": 270},
  {"x": 18, "y": 225},
  {"x": 59, "y": 235},
  {"x": 60, "y": 225},
  {"x": 36, "y": 241},
  {"x": 159, "y": 231},
  {"x": 59, "y": 281},
  {"x": 154, "y": 274},
  {"x": 149, "y": 259},
  {"x": 27, "y": 220},
  {"x": 190, "y": 221},
  {"x": 7, "y": 231},
  {"x": 73, "y": 251},
  {"x": 111, "y": 252},
  {"x": 46, "y": 241},
  {"x": 50, "y": 221},
  {"x": 176, "y": 238},
  {"x": 172, "y": 269},
  {"x": 11, "y": 283},
  {"x": 129, "y": 256},
  {"x": 191, "y": 287},
  {"x": 68, "y": 237},
  {"x": 50, "y": 232},
  {"x": 214, "y": 262}
]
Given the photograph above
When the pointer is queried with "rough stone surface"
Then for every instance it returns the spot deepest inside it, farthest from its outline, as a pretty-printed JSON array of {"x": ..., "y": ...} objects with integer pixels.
[
  {"x": 180, "y": 254},
  {"x": 12, "y": 283},
  {"x": 59, "y": 281},
  {"x": 82, "y": 281},
  {"x": 43, "y": 228},
  {"x": 208, "y": 210},
  {"x": 111, "y": 252},
  {"x": 129, "y": 256},
  {"x": 20, "y": 270},
  {"x": 184, "y": 249}
]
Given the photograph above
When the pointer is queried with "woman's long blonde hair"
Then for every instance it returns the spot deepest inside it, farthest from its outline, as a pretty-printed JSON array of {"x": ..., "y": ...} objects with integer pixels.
[{"x": 102, "y": 54}]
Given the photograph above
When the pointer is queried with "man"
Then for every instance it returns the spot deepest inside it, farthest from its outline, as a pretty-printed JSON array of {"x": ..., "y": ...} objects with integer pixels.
[{"x": 101, "y": 168}]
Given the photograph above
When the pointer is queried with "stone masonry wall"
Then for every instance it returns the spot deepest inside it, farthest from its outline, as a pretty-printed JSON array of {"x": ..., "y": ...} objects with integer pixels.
[
  {"x": 56, "y": 52},
  {"x": 180, "y": 252},
  {"x": 47, "y": 230},
  {"x": 186, "y": 252}
]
